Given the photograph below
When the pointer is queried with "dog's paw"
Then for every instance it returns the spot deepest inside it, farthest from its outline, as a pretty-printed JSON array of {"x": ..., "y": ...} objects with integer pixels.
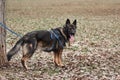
[{"x": 61, "y": 65}]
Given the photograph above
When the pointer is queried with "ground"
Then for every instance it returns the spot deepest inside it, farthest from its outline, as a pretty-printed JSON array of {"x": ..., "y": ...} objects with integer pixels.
[{"x": 95, "y": 55}]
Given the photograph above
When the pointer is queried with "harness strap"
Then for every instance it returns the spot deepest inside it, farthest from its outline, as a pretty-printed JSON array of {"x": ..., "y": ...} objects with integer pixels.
[
  {"x": 56, "y": 36},
  {"x": 63, "y": 34}
]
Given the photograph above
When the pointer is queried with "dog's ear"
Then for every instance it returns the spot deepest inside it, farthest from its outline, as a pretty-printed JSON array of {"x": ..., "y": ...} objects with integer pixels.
[
  {"x": 75, "y": 22},
  {"x": 67, "y": 21}
]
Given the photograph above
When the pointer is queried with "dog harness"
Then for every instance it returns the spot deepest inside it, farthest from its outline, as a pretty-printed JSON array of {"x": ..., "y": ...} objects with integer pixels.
[{"x": 55, "y": 35}]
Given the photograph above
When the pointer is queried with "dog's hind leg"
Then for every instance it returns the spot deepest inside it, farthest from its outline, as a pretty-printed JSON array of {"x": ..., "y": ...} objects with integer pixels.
[
  {"x": 28, "y": 50},
  {"x": 23, "y": 61}
]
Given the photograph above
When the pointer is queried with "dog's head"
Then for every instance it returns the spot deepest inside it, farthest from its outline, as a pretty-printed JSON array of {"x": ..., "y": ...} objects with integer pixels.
[{"x": 70, "y": 29}]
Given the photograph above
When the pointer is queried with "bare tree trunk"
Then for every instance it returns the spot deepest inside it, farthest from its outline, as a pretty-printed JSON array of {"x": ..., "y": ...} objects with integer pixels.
[{"x": 3, "y": 59}]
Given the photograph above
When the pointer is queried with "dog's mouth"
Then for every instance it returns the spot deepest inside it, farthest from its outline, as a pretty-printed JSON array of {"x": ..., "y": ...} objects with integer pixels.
[{"x": 72, "y": 39}]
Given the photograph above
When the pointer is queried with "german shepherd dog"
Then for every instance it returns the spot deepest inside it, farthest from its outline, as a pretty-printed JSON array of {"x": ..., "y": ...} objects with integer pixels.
[{"x": 53, "y": 40}]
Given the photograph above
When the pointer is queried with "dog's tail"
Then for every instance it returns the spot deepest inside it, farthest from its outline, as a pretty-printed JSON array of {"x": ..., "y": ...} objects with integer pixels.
[{"x": 15, "y": 49}]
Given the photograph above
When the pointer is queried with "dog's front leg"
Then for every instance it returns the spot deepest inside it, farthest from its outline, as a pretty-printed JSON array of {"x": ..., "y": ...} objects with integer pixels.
[
  {"x": 56, "y": 59},
  {"x": 60, "y": 58}
]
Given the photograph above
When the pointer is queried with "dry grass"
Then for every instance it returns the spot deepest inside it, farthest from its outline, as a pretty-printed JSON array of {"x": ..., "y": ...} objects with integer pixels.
[{"x": 47, "y": 8}]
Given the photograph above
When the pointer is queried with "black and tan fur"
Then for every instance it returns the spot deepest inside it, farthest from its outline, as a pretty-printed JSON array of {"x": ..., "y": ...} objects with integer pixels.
[{"x": 30, "y": 42}]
